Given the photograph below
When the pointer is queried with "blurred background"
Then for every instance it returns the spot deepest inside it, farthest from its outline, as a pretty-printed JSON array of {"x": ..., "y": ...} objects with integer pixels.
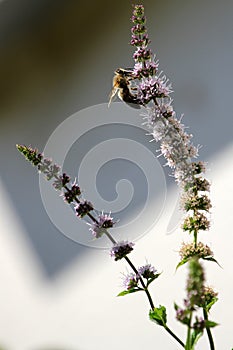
[{"x": 56, "y": 58}]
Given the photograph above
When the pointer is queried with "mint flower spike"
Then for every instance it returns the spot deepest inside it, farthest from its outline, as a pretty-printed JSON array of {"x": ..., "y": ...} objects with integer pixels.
[
  {"x": 154, "y": 93},
  {"x": 71, "y": 191}
]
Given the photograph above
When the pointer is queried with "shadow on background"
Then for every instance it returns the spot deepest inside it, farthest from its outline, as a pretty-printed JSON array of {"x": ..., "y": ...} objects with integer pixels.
[{"x": 44, "y": 44}]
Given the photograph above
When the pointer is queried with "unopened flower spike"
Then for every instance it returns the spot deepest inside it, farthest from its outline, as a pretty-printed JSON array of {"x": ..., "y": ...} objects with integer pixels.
[
  {"x": 44, "y": 165},
  {"x": 195, "y": 282},
  {"x": 194, "y": 294},
  {"x": 31, "y": 154}
]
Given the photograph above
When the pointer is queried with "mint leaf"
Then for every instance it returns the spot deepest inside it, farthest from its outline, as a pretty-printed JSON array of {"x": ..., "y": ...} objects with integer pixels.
[{"x": 159, "y": 315}]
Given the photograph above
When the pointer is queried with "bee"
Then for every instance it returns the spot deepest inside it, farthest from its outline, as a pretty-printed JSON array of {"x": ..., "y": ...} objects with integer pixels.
[{"x": 122, "y": 86}]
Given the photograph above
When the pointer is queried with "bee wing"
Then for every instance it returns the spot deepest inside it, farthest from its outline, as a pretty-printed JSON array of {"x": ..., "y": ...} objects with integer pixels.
[
  {"x": 124, "y": 71},
  {"x": 128, "y": 72},
  {"x": 112, "y": 95}
]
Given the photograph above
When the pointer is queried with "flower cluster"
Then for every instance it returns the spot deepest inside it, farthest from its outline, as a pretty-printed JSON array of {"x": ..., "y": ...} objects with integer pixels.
[
  {"x": 131, "y": 281},
  {"x": 104, "y": 222},
  {"x": 189, "y": 250},
  {"x": 209, "y": 297},
  {"x": 70, "y": 195},
  {"x": 147, "y": 272},
  {"x": 61, "y": 181},
  {"x": 152, "y": 88},
  {"x": 197, "y": 204},
  {"x": 83, "y": 208},
  {"x": 195, "y": 223},
  {"x": 121, "y": 249},
  {"x": 199, "y": 324}
]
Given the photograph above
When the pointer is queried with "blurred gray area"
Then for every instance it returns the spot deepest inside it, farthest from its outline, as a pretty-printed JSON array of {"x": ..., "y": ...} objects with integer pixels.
[{"x": 58, "y": 57}]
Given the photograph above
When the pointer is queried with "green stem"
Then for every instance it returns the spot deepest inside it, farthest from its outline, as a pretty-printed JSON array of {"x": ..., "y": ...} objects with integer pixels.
[
  {"x": 110, "y": 237},
  {"x": 145, "y": 290},
  {"x": 141, "y": 281},
  {"x": 131, "y": 265},
  {"x": 135, "y": 271},
  {"x": 188, "y": 340},
  {"x": 174, "y": 336},
  {"x": 78, "y": 201},
  {"x": 211, "y": 341},
  {"x": 151, "y": 301},
  {"x": 195, "y": 238}
]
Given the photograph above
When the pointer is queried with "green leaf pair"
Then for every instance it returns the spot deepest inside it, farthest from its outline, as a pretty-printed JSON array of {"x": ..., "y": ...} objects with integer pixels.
[{"x": 159, "y": 315}]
